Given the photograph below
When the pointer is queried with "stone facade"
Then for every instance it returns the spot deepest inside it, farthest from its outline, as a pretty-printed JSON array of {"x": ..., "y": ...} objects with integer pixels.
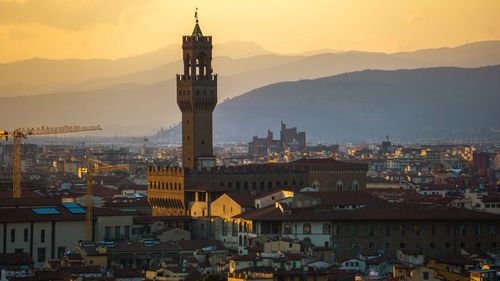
[{"x": 190, "y": 189}]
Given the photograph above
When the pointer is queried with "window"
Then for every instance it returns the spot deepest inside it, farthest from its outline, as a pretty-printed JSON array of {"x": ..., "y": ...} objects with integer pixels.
[
  {"x": 339, "y": 185},
  {"x": 126, "y": 233},
  {"x": 336, "y": 229},
  {"x": 287, "y": 229},
  {"x": 425, "y": 275},
  {"x": 493, "y": 230},
  {"x": 387, "y": 229},
  {"x": 371, "y": 245},
  {"x": 42, "y": 236},
  {"x": 107, "y": 233},
  {"x": 224, "y": 228},
  {"x": 478, "y": 229},
  {"x": 355, "y": 185},
  {"x": 12, "y": 235},
  {"x": 117, "y": 232},
  {"x": 336, "y": 245},
  {"x": 326, "y": 229},
  {"x": 26, "y": 235},
  {"x": 371, "y": 230},
  {"x": 354, "y": 245},
  {"x": 306, "y": 229},
  {"x": 234, "y": 228},
  {"x": 61, "y": 252},
  {"x": 462, "y": 229},
  {"x": 41, "y": 255}
]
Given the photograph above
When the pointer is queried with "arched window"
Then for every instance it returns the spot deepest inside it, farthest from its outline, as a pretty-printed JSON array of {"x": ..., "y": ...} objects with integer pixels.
[
  {"x": 241, "y": 227},
  {"x": 245, "y": 241},
  {"x": 240, "y": 241},
  {"x": 340, "y": 185},
  {"x": 287, "y": 229},
  {"x": 234, "y": 229},
  {"x": 315, "y": 184},
  {"x": 355, "y": 185},
  {"x": 306, "y": 229},
  {"x": 224, "y": 228},
  {"x": 326, "y": 229}
]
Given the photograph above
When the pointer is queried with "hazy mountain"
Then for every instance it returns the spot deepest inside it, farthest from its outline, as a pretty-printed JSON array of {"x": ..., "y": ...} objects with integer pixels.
[
  {"x": 434, "y": 102},
  {"x": 368, "y": 103},
  {"x": 142, "y": 102},
  {"x": 37, "y": 75},
  {"x": 241, "y": 75}
]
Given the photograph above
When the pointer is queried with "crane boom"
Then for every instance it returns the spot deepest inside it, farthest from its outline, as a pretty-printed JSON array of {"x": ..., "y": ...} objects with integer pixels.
[
  {"x": 20, "y": 133},
  {"x": 56, "y": 130}
]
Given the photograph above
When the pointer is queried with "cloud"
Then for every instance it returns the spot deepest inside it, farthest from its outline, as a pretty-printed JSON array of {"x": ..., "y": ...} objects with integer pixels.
[{"x": 67, "y": 14}]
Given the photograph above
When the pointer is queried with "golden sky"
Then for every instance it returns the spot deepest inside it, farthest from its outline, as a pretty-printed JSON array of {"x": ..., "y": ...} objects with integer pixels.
[{"x": 118, "y": 28}]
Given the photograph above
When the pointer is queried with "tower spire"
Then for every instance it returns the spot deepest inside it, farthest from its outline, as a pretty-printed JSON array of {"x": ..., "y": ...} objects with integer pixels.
[{"x": 197, "y": 30}]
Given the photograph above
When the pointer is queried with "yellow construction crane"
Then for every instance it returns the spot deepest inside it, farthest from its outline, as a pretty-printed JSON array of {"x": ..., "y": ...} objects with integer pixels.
[
  {"x": 92, "y": 169},
  {"x": 20, "y": 133}
]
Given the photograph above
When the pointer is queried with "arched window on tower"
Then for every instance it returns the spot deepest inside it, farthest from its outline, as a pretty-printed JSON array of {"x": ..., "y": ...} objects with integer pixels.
[
  {"x": 355, "y": 185},
  {"x": 339, "y": 186}
]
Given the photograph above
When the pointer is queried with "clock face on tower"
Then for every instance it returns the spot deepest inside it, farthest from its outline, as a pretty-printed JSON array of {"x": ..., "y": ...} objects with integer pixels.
[{"x": 197, "y": 98}]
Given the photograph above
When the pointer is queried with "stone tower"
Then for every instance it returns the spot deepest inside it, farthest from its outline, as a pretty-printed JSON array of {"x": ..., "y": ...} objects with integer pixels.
[{"x": 197, "y": 97}]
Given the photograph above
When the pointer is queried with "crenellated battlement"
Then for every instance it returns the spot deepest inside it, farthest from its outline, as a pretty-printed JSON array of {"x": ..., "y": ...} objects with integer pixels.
[
  {"x": 166, "y": 171},
  {"x": 196, "y": 41},
  {"x": 209, "y": 77},
  {"x": 251, "y": 169}
]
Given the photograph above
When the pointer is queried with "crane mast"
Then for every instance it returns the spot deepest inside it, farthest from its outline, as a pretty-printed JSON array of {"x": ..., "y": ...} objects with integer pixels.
[
  {"x": 92, "y": 169},
  {"x": 20, "y": 133}
]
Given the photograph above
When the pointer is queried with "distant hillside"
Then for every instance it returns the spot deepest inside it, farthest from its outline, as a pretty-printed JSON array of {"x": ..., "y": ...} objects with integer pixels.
[
  {"x": 38, "y": 75},
  {"x": 141, "y": 102},
  {"x": 240, "y": 75},
  {"x": 420, "y": 103}
]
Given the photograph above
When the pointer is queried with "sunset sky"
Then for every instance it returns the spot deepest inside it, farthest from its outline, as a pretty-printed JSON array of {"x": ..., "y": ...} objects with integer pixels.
[{"x": 117, "y": 28}]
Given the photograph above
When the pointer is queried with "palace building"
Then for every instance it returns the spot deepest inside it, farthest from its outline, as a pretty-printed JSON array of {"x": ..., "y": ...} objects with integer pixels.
[{"x": 189, "y": 190}]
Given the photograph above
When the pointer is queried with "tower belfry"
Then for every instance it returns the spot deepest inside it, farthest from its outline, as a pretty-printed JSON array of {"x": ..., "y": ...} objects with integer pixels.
[{"x": 197, "y": 98}]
